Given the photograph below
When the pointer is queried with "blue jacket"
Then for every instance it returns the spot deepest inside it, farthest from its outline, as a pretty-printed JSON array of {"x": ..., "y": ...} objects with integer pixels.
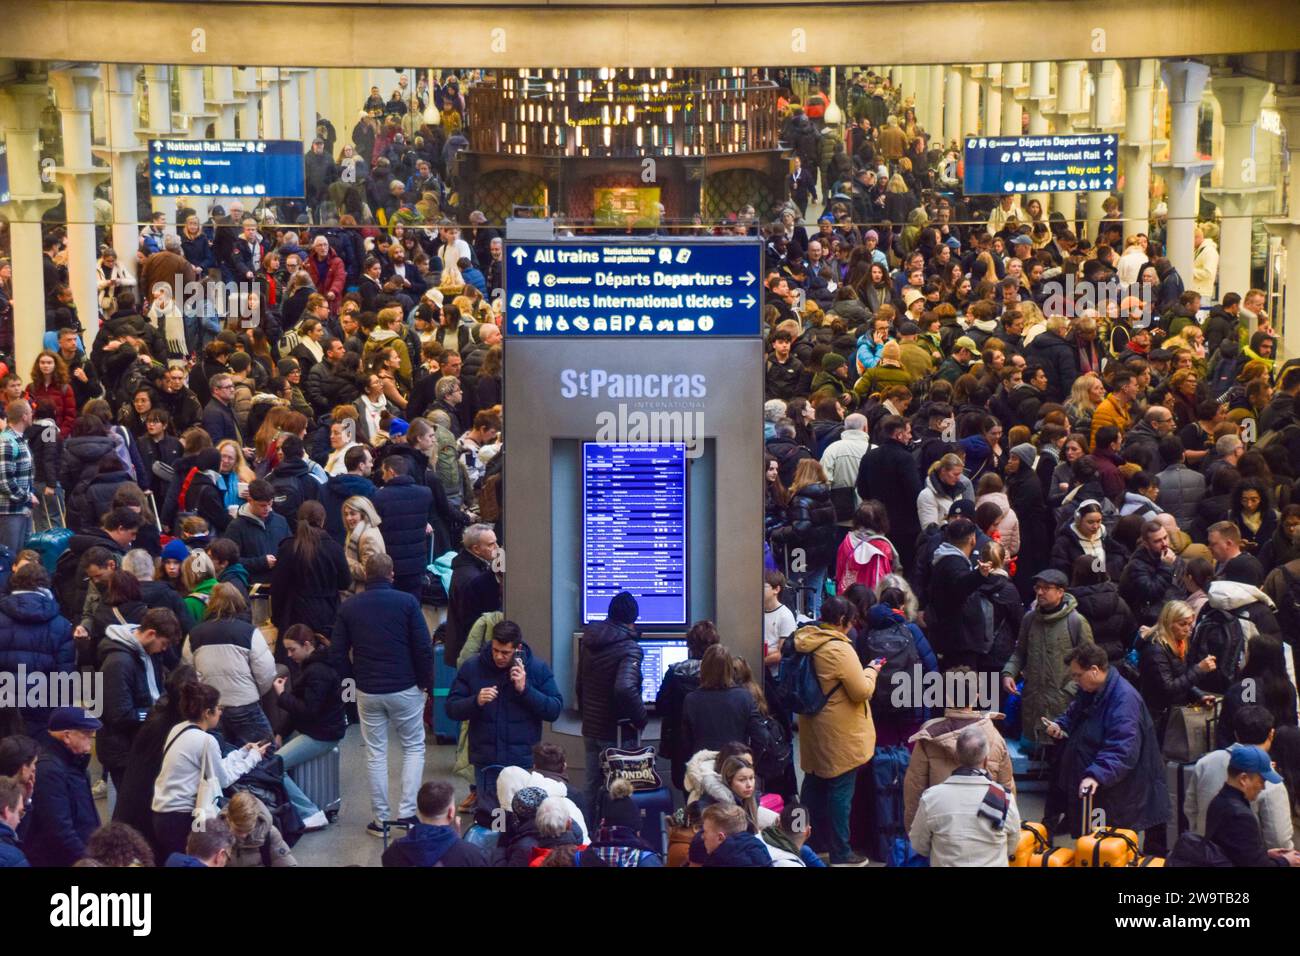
[
  {"x": 1113, "y": 740},
  {"x": 428, "y": 845},
  {"x": 11, "y": 850},
  {"x": 504, "y": 730},
  {"x": 338, "y": 490},
  {"x": 389, "y": 640},
  {"x": 403, "y": 507},
  {"x": 34, "y": 634},
  {"x": 63, "y": 814},
  {"x": 256, "y": 538},
  {"x": 742, "y": 849},
  {"x": 184, "y": 859},
  {"x": 219, "y": 422}
]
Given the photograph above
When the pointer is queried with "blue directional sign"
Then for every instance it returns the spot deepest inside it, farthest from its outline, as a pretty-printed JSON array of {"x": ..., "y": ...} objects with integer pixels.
[
  {"x": 1041, "y": 164},
  {"x": 634, "y": 287},
  {"x": 4, "y": 173},
  {"x": 226, "y": 167}
]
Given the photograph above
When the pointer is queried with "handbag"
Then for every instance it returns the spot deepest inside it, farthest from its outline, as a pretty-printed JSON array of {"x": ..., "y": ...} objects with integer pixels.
[
  {"x": 1189, "y": 736},
  {"x": 207, "y": 802},
  {"x": 635, "y": 765}
]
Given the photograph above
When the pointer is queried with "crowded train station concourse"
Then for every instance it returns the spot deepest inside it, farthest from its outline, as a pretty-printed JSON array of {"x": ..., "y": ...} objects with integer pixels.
[{"x": 904, "y": 455}]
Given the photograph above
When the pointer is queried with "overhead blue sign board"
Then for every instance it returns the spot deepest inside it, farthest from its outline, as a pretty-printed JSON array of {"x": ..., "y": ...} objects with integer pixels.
[
  {"x": 1041, "y": 164},
  {"x": 226, "y": 167},
  {"x": 634, "y": 287},
  {"x": 4, "y": 173}
]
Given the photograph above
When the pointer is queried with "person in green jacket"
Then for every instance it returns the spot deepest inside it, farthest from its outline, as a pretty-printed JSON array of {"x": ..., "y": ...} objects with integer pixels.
[
  {"x": 889, "y": 371},
  {"x": 199, "y": 577}
]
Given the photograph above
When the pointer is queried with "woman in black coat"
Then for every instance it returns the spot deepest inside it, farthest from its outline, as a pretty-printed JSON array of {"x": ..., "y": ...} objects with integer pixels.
[
  {"x": 1166, "y": 680},
  {"x": 1025, "y": 495},
  {"x": 681, "y": 680},
  {"x": 1113, "y": 623},
  {"x": 718, "y": 712},
  {"x": 314, "y": 704},
  {"x": 810, "y": 518},
  {"x": 311, "y": 569}
]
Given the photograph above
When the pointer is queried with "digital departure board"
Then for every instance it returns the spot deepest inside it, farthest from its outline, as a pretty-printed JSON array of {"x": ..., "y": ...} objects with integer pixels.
[{"x": 634, "y": 529}]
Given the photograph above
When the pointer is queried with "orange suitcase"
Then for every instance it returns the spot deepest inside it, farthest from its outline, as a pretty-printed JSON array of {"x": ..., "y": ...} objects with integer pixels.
[
  {"x": 1109, "y": 846},
  {"x": 1033, "y": 840},
  {"x": 1061, "y": 856}
]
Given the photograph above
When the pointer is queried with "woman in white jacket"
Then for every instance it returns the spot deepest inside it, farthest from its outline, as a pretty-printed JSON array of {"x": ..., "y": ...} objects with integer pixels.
[
  {"x": 945, "y": 484},
  {"x": 190, "y": 755},
  {"x": 364, "y": 538}
]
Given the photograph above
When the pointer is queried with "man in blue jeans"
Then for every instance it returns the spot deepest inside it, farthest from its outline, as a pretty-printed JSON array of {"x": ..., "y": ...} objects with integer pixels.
[
  {"x": 16, "y": 473},
  {"x": 609, "y": 686},
  {"x": 382, "y": 638}
]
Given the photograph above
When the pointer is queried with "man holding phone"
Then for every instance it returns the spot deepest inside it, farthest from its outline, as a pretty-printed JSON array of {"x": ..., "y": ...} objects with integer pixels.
[{"x": 505, "y": 693}]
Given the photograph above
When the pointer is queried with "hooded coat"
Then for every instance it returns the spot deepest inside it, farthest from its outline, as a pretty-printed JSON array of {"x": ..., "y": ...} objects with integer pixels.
[
  {"x": 1113, "y": 623},
  {"x": 1045, "y": 639},
  {"x": 427, "y": 845},
  {"x": 609, "y": 679},
  {"x": 934, "y": 755},
  {"x": 362, "y": 542},
  {"x": 841, "y": 736},
  {"x": 133, "y": 682},
  {"x": 34, "y": 635}
]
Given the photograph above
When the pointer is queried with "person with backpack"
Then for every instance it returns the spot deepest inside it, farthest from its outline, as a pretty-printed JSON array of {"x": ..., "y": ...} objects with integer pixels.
[
  {"x": 836, "y": 734},
  {"x": 717, "y": 711},
  {"x": 902, "y": 646},
  {"x": 866, "y": 555},
  {"x": 1231, "y": 824},
  {"x": 955, "y": 578},
  {"x": 1265, "y": 678},
  {"x": 1099, "y": 601},
  {"x": 683, "y": 678},
  {"x": 769, "y": 739},
  {"x": 991, "y": 616},
  {"x": 201, "y": 491},
  {"x": 294, "y": 481},
  {"x": 1234, "y": 613}
]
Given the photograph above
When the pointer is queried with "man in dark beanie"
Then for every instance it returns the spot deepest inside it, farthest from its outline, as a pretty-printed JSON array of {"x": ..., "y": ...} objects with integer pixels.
[{"x": 609, "y": 683}]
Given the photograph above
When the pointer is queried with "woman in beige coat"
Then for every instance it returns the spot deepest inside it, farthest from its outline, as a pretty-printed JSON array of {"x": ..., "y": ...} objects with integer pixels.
[
  {"x": 840, "y": 738},
  {"x": 362, "y": 525}
]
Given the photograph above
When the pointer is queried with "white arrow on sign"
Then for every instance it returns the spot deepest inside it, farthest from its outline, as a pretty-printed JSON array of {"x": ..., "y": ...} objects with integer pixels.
[
  {"x": 1110, "y": 154},
  {"x": 521, "y": 323},
  {"x": 748, "y": 301},
  {"x": 158, "y": 144},
  {"x": 1108, "y": 183},
  {"x": 520, "y": 256},
  {"x": 749, "y": 278}
]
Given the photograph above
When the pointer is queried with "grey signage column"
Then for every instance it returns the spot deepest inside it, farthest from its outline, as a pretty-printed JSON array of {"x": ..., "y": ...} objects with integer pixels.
[{"x": 630, "y": 340}]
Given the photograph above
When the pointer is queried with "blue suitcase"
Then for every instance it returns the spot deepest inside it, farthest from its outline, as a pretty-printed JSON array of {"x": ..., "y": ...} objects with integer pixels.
[
  {"x": 319, "y": 779},
  {"x": 654, "y": 806},
  {"x": 445, "y": 730}
]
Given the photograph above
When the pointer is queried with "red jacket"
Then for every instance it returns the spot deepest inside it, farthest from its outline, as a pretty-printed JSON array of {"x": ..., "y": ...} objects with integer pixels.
[
  {"x": 61, "y": 397},
  {"x": 329, "y": 278}
]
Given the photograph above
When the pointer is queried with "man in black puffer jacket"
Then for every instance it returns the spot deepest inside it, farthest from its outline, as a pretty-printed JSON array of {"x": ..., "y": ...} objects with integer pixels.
[
  {"x": 1152, "y": 576},
  {"x": 327, "y": 385},
  {"x": 609, "y": 683},
  {"x": 1050, "y": 350},
  {"x": 130, "y": 663},
  {"x": 474, "y": 590}
]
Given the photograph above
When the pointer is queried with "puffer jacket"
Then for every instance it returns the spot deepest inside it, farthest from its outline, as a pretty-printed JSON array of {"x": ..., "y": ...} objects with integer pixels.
[
  {"x": 233, "y": 657},
  {"x": 1059, "y": 362},
  {"x": 327, "y": 385},
  {"x": 1045, "y": 639},
  {"x": 704, "y": 786},
  {"x": 315, "y": 702},
  {"x": 1148, "y": 583},
  {"x": 1113, "y": 623},
  {"x": 81, "y": 457},
  {"x": 811, "y": 525},
  {"x": 934, "y": 754},
  {"x": 933, "y": 502},
  {"x": 35, "y": 636},
  {"x": 1181, "y": 488},
  {"x": 63, "y": 813},
  {"x": 263, "y": 844},
  {"x": 128, "y": 694},
  {"x": 256, "y": 538},
  {"x": 504, "y": 730},
  {"x": 474, "y": 591},
  {"x": 404, "y": 507},
  {"x": 609, "y": 679},
  {"x": 841, "y": 736},
  {"x": 1008, "y": 525}
]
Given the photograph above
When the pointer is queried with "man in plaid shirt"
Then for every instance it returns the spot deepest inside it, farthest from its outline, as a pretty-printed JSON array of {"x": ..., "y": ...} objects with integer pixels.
[{"x": 16, "y": 497}]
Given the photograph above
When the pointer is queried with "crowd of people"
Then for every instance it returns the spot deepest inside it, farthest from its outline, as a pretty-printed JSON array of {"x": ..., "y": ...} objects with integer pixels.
[{"x": 997, "y": 451}]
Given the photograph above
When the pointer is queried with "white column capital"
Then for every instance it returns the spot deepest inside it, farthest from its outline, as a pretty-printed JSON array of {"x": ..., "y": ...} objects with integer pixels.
[
  {"x": 1185, "y": 80},
  {"x": 1239, "y": 98}
]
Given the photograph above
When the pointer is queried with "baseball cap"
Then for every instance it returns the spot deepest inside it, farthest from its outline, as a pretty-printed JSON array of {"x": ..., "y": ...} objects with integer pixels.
[
  {"x": 962, "y": 507},
  {"x": 1022, "y": 241},
  {"x": 1245, "y": 758},
  {"x": 1051, "y": 576},
  {"x": 965, "y": 342},
  {"x": 72, "y": 718}
]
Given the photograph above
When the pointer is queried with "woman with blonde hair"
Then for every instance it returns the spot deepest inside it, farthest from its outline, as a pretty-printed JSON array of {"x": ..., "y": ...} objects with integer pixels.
[
  {"x": 810, "y": 525},
  {"x": 361, "y": 522},
  {"x": 1085, "y": 395},
  {"x": 1166, "y": 680},
  {"x": 235, "y": 473},
  {"x": 258, "y": 842},
  {"x": 945, "y": 483}
]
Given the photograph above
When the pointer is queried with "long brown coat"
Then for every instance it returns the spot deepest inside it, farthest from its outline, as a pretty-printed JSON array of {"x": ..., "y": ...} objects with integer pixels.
[{"x": 841, "y": 737}]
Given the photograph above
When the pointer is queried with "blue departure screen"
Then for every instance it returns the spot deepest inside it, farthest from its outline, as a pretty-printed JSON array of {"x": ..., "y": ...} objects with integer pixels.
[{"x": 634, "y": 529}]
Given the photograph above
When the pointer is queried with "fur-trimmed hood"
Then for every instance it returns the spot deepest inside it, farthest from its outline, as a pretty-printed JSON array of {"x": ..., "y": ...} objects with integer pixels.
[{"x": 513, "y": 779}]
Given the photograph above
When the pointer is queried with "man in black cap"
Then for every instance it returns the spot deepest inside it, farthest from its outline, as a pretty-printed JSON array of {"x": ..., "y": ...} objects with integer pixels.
[
  {"x": 1231, "y": 824},
  {"x": 954, "y": 576},
  {"x": 609, "y": 683},
  {"x": 63, "y": 815}
]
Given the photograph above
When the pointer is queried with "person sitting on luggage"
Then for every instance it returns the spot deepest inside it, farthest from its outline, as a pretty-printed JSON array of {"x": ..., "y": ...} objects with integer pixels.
[
  {"x": 258, "y": 841},
  {"x": 210, "y": 846},
  {"x": 1253, "y": 727},
  {"x": 435, "y": 838},
  {"x": 1110, "y": 748},
  {"x": 969, "y": 819},
  {"x": 515, "y": 847},
  {"x": 741, "y": 790},
  {"x": 787, "y": 840},
  {"x": 728, "y": 841},
  {"x": 314, "y": 704},
  {"x": 1231, "y": 825}
]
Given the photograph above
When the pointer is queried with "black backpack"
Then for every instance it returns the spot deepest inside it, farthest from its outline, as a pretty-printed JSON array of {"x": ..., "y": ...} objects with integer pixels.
[
  {"x": 1192, "y": 849},
  {"x": 897, "y": 646},
  {"x": 772, "y": 750},
  {"x": 65, "y": 584},
  {"x": 1222, "y": 634}
]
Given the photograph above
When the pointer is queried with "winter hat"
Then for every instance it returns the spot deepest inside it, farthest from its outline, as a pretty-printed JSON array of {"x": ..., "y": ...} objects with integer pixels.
[
  {"x": 287, "y": 366},
  {"x": 208, "y": 460},
  {"x": 623, "y": 609},
  {"x": 891, "y": 352},
  {"x": 527, "y": 801},
  {"x": 831, "y": 361},
  {"x": 953, "y": 243},
  {"x": 175, "y": 550},
  {"x": 909, "y": 328},
  {"x": 872, "y": 235},
  {"x": 398, "y": 426},
  {"x": 1026, "y": 453},
  {"x": 910, "y": 295},
  {"x": 963, "y": 507}
]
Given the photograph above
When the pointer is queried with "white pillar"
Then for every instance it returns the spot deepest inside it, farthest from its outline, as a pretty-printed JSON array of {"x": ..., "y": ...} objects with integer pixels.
[
  {"x": 1288, "y": 228},
  {"x": 993, "y": 100},
  {"x": 1103, "y": 117},
  {"x": 195, "y": 115},
  {"x": 291, "y": 103},
  {"x": 272, "y": 126},
  {"x": 1038, "y": 103},
  {"x": 123, "y": 152},
  {"x": 1135, "y": 147},
  {"x": 223, "y": 101},
  {"x": 74, "y": 90},
  {"x": 1014, "y": 87},
  {"x": 307, "y": 98},
  {"x": 952, "y": 96},
  {"x": 970, "y": 101},
  {"x": 1185, "y": 81},
  {"x": 21, "y": 106},
  {"x": 158, "y": 80},
  {"x": 1068, "y": 111},
  {"x": 1239, "y": 101},
  {"x": 934, "y": 100},
  {"x": 252, "y": 93}
]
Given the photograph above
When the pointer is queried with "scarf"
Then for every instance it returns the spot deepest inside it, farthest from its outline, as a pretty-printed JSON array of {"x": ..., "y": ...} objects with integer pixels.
[
  {"x": 995, "y": 805},
  {"x": 952, "y": 491}
]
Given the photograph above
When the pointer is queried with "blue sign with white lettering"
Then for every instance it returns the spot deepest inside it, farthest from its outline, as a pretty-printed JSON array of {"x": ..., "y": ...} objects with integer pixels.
[
  {"x": 4, "y": 173},
  {"x": 1041, "y": 164},
  {"x": 226, "y": 167},
  {"x": 634, "y": 287}
]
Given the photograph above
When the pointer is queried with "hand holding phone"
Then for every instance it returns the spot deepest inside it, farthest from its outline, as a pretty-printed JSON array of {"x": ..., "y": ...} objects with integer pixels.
[{"x": 878, "y": 663}]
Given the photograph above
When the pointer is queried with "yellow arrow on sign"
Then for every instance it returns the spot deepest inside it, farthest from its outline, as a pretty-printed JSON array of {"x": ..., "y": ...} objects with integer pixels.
[
  {"x": 1110, "y": 169},
  {"x": 158, "y": 160}
]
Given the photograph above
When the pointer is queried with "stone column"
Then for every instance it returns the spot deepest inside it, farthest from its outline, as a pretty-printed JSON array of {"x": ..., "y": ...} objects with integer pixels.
[
  {"x": 1135, "y": 146},
  {"x": 1069, "y": 110},
  {"x": 1185, "y": 81},
  {"x": 992, "y": 125},
  {"x": 272, "y": 124},
  {"x": 952, "y": 97},
  {"x": 223, "y": 101},
  {"x": 1287, "y": 227},
  {"x": 124, "y": 152},
  {"x": 1039, "y": 103},
  {"x": 159, "y": 92},
  {"x": 251, "y": 92},
  {"x": 307, "y": 98},
  {"x": 1103, "y": 117},
  {"x": 291, "y": 103},
  {"x": 195, "y": 116},
  {"x": 970, "y": 100},
  {"x": 1014, "y": 88},
  {"x": 1239, "y": 101},
  {"x": 20, "y": 115},
  {"x": 935, "y": 101},
  {"x": 74, "y": 91}
]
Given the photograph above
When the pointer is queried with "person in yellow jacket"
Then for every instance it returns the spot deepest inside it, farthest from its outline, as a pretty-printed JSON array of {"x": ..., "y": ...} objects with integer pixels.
[
  {"x": 840, "y": 738},
  {"x": 1117, "y": 407}
]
